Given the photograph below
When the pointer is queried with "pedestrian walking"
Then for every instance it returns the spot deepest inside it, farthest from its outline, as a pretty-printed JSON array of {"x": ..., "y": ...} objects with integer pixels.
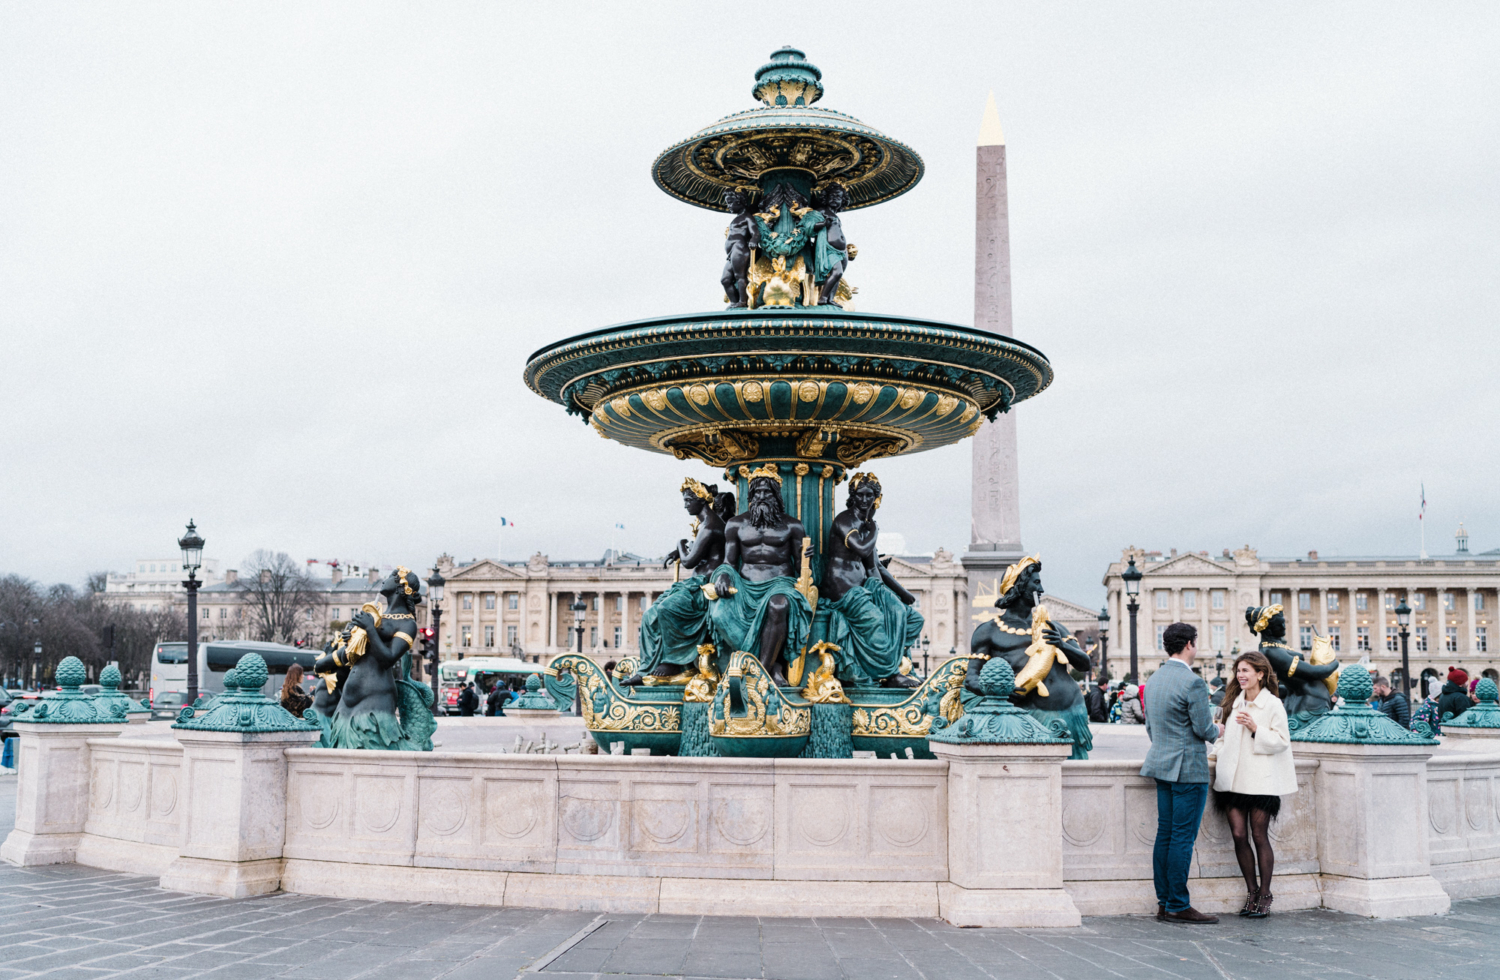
[
  {"x": 468, "y": 701},
  {"x": 1254, "y": 770},
  {"x": 293, "y": 698},
  {"x": 1454, "y": 699},
  {"x": 1392, "y": 704},
  {"x": 1093, "y": 701},
  {"x": 1179, "y": 722},
  {"x": 495, "y": 703}
]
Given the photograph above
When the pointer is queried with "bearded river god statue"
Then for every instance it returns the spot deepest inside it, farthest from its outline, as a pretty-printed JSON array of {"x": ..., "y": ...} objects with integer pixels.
[
  {"x": 754, "y": 601},
  {"x": 377, "y": 651},
  {"x": 862, "y": 609},
  {"x": 677, "y": 622},
  {"x": 1039, "y": 652},
  {"x": 1304, "y": 688}
]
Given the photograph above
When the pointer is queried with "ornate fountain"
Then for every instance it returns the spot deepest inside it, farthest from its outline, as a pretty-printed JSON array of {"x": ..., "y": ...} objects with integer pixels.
[{"x": 787, "y": 388}]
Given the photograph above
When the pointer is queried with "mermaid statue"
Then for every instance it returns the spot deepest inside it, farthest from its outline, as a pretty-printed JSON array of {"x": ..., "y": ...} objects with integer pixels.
[
  {"x": 677, "y": 622},
  {"x": 377, "y": 652},
  {"x": 862, "y": 609},
  {"x": 1303, "y": 689}
]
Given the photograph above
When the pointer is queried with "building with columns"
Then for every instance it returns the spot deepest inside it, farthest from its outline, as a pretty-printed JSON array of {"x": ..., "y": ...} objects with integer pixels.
[{"x": 1352, "y": 601}]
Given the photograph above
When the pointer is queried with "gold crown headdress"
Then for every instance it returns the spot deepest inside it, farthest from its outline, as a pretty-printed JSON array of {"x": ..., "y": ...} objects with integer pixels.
[
  {"x": 768, "y": 472},
  {"x": 859, "y": 479},
  {"x": 698, "y": 489},
  {"x": 401, "y": 572},
  {"x": 1014, "y": 571},
  {"x": 1264, "y": 619}
]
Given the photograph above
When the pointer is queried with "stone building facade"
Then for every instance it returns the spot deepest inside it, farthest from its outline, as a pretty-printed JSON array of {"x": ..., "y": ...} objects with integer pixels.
[{"x": 1350, "y": 600}]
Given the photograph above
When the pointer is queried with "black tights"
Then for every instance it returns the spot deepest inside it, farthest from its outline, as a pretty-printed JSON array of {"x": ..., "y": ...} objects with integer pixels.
[{"x": 1256, "y": 824}]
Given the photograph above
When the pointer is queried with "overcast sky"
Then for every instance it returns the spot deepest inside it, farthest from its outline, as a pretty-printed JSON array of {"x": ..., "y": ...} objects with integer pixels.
[{"x": 277, "y": 267}]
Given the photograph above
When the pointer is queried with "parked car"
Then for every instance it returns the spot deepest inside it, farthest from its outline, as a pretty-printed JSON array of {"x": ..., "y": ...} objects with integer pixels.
[{"x": 168, "y": 705}]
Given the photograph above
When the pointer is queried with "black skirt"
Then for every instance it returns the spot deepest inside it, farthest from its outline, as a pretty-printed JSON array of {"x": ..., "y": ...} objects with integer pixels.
[{"x": 1245, "y": 802}]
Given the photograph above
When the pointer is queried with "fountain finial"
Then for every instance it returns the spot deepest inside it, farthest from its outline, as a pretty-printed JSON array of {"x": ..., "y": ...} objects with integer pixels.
[{"x": 788, "y": 79}]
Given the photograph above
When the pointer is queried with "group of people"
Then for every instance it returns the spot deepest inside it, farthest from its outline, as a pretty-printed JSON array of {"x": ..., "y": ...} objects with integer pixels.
[{"x": 493, "y": 703}]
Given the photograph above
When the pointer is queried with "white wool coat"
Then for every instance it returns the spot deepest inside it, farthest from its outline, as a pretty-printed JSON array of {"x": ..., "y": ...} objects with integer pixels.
[{"x": 1260, "y": 765}]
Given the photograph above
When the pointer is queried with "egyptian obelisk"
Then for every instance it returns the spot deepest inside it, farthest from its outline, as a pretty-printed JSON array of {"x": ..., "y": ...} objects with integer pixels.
[{"x": 995, "y": 521}]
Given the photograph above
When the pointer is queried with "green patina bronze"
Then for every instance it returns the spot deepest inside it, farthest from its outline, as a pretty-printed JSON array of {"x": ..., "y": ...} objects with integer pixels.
[
  {"x": 242, "y": 708},
  {"x": 109, "y": 680},
  {"x": 994, "y": 720},
  {"x": 69, "y": 705},
  {"x": 646, "y": 718},
  {"x": 1485, "y": 714},
  {"x": 535, "y": 699},
  {"x": 1354, "y": 722}
]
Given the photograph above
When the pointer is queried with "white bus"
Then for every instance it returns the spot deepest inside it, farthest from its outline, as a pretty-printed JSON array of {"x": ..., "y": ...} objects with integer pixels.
[
  {"x": 215, "y": 657},
  {"x": 485, "y": 672}
]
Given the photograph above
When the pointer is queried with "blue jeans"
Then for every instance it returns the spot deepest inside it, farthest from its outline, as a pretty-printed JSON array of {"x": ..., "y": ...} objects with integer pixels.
[{"x": 1179, "y": 811}]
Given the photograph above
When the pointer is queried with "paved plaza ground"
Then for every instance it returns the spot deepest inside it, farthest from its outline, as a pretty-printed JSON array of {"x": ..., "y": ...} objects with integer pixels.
[{"x": 66, "y": 922}]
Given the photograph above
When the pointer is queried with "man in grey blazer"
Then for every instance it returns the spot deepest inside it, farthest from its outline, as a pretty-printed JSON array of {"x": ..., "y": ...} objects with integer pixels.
[{"x": 1179, "y": 720}]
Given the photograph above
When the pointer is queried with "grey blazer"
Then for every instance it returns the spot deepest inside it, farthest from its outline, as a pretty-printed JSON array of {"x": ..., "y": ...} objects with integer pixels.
[{"x": 1179, "y": 720}]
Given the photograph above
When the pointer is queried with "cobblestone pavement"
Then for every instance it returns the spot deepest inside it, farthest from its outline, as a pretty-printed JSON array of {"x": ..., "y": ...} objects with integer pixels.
[{"x": 68, "y": 921}]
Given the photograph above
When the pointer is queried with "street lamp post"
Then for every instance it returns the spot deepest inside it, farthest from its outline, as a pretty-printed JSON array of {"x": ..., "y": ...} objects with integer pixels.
[
  {"x": 1218, "y": 663},
  {"x": 435, "y": 583},
  {"x": 579, "y": 608},
  {"x": 926, "y": 671},
  {"x": 1132, "y": 577},
  {"x": 1104, "y": 644},
  {"x": 1403, "y": 620},
  {"x": 192, "y": 558},
  {"x": 36, "y": 662}
]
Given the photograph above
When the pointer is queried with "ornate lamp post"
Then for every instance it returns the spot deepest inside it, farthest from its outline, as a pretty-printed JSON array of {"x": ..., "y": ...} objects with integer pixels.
[
  {"x": 36, "y": 662},
  {"x": 1403, "y": 620},
  {"x": 435, "y": 583},
  {"x": 579, "y": 608},
  {"x": 192, "y": 558},
  {"x": 1104, "y": 643},
  {"x": 1132, "y": 577},
  {"x": 1219, "y": 663},
  {"x": 926, "y": 642}
]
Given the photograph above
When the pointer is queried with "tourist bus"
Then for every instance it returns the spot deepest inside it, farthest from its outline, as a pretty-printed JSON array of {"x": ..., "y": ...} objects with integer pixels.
[
  {"x": 169, "y": 666},
  {"x": 484, "y": 672}
]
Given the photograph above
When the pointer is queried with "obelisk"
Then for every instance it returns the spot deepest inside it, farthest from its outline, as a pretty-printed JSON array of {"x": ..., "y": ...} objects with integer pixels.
[{"x": 995, "y": 515}]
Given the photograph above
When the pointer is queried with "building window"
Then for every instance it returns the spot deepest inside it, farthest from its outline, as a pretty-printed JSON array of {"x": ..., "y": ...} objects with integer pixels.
[
  {"x": 1189, "y": 598},
  {"x": 1305, "y": 638},
  {"x": 1216, "y": 599},
  {"x": 1333, "y": 602},
  {"x": 1481, "y": 640},
  {"x": 205, "y": 613},
  {"x": 466, "y": 636},
  {"x": 1390, "y": 640},
  {"x": 489, "y": 636},
  {"x": 510, "y": 636},
  {"x": 1335, "y": 637},
  {"x": 513, "y": 600},
  {"x": 1361, "y": 602},
  {"x": 468, "y": 601},
  {"x": 1419, "y": 601},
  {"x": 1450, "y": 639},
  {"x": 619, "y": 637},
  {"x": 1421, "y": 639},
  {"x": 1362, "y": 638},
  {"x": 1479, "y": 602},
  {"x": 1159, "y": 644},
  {"x": 645, "y": 602},
  {"x": 596, "y": 603},
  {"x": 1218, "y": 636},
  {"x": 1163, "y": 600},
  {"x": 594, "y": 634},
  {"x": 333, "y": 613},
  {"x": 619, "y": 608},
  {"x": 1304, "y": 602},
  {"x": 1390, "y": 602},
  {"x": 489, "y": 600},
  {"x": 223, "y": 612},
  {"x": 1447, "y": 602},
  {"x": 1275, "y": 599}
]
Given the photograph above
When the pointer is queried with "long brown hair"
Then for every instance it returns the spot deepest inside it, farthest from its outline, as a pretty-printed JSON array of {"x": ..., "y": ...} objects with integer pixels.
[
  {"x": 1232, "y": 691},
  {"x": 293, "y": 680}
]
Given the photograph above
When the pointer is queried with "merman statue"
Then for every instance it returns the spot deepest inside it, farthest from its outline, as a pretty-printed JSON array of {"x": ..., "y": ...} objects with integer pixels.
[
  {"x": 677, "y": 622},
  {"x": 740, "y": 239},
  {"x": 1026, "y": 638},
  {"x": 831, "y": 252},
  {"x": 1303, "y": 690},
  {"x": 754, "y": 600},
  {"x": 376, "y": 651},
  {"x": 862, "y": 609}
]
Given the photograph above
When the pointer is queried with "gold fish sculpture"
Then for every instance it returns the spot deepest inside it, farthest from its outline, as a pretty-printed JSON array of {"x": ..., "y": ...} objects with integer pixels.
[
  {"x": 1040, "y": 655},
  {"x": 1323, "y": 653}
]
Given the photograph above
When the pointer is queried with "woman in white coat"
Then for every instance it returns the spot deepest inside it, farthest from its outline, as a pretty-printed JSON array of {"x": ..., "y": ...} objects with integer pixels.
[{"x": 1254, "y": 771}]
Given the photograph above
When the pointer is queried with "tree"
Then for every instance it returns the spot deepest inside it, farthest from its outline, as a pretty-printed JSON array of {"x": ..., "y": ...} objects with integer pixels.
[{"x": 278, "y": 597}]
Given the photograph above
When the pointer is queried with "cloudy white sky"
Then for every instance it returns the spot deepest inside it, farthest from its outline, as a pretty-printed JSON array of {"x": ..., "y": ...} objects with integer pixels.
[{"x": 277, "y": 267}]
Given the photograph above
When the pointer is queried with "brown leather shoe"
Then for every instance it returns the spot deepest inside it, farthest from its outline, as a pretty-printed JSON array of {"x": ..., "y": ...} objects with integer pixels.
[{"x": 1192, "y": 916}]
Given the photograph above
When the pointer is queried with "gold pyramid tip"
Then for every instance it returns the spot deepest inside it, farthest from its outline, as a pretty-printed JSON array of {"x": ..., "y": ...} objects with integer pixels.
[{"x": 990, "y": 133}]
